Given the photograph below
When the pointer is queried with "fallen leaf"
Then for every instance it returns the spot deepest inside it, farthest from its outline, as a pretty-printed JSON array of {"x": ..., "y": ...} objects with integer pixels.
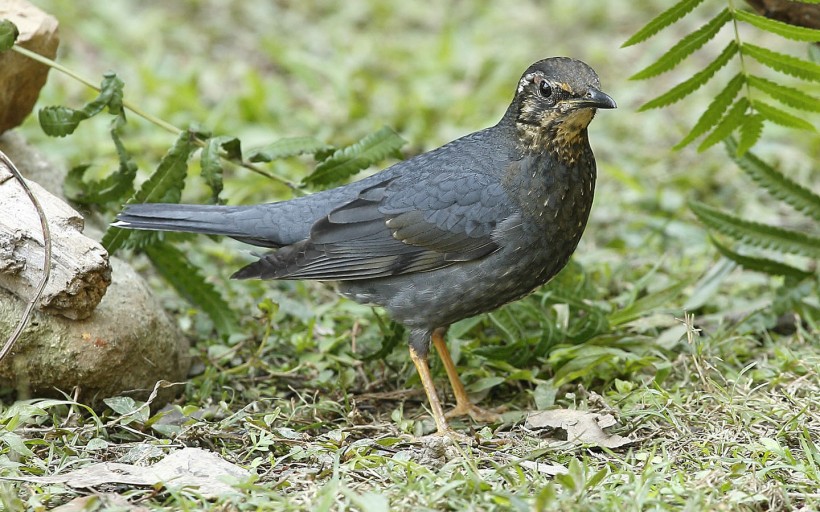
[
  {"x": 544, "y": 468},
  {"x": 186, "y": 468},
  {"x": 582, "y": 427}
]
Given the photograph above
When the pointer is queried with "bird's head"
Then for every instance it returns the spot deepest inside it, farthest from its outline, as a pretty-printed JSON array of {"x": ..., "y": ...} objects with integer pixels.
[{"x": 555, "y": 101}]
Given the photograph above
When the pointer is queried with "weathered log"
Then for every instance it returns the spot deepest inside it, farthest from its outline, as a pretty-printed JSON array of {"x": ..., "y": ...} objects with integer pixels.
[{"x": 80, "y": 272}]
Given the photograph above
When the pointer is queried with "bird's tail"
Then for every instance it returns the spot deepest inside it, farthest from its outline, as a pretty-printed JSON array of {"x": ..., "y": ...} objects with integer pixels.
[{"x": 230, "y": 221}]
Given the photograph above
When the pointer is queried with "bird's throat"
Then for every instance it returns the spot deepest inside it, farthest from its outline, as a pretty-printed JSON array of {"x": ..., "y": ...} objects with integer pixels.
[{"x": 564, "y": 136}]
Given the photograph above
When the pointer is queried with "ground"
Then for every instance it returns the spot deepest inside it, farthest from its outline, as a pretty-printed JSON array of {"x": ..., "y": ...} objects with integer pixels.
[{"x": 648, "y": 324}]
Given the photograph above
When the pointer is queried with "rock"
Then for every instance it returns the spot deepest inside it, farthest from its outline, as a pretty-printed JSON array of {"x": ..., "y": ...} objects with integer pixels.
[
  {"x": 22, "y": 78},
  {"x": 127, "y": 344},
  {"x": 33, "y": 164}
]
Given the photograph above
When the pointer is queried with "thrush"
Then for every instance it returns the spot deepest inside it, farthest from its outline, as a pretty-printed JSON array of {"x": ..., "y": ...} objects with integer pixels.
[{"x": 445, "y": 235}]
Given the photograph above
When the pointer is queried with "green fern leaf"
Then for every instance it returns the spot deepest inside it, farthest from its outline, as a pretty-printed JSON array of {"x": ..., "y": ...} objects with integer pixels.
[
  {"x": 189, "y": 282},
  {"x": 685, "y": 47},
  {"x": 727, "y": 124},
  {"x": 775, "y": 183},
  {"x": 114, "y": 187},
  {"x": 210, "y": 161},
  {"x": 663, "y": 20},
  {"x": 750, "y": 131},
  {"x": 719, "y": 105},
  {"x": 765, "y": 265},
  {"x": 348, "y": 161},
  {"x": 60, "y": 121},
  {"x": 778, "y": 27},
  {"x": 755, "y": 233},
  {"x": 781, "y": 117},
  {"x": 786, "y": 95},
  {"x": 164, "y": 186},
  {"x": 288, "y": 147},
  {"x": 784, "y": 63},
  {"x": 686, "y": 88},
  {"x": 8, "y": 35}
]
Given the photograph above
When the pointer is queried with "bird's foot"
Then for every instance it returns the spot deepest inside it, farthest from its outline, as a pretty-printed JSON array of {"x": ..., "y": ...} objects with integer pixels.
[{"x": 476, "y": 413}]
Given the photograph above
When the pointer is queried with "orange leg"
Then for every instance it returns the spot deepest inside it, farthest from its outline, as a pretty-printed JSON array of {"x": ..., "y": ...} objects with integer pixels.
[
  {"x": 463, "y": 404},
  {"x": 427, "y": 381}
]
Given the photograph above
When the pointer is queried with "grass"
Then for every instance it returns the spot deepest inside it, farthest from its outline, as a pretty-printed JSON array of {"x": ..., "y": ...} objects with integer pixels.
[{"x": 722, "y": 405}]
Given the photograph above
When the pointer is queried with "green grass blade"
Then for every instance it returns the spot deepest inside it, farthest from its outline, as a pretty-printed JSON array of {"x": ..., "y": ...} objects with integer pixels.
[
  {"x": 778, "y": 27},
  {"x": 727, "y": 124},
  {"x": 711, "y": 116},
  {"x": 647, "y": 304},
  {"x": 775, "y": 183},
  {"x": 685, "y": 47},
  {"x": 781, "y": 117},
  {"x": 787, "y": 95},
  {"x": 750, "y": 131},
  {"x": 189, "y": 282},
  {"x": 793, "y": 66},
  {"x": 348, "y": 161},
  {"x": 765, "y": 265},
  {"x": 755, "y": 233},
  {"x": 663, "y": 20},
  {"x": 687, "y": 87}
]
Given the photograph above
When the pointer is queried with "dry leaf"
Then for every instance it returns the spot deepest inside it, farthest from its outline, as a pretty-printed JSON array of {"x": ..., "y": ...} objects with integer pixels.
[
  {"x": 189, "y": 467},
  {"x": 542, "y": 467},
  {"x": 582, "y": 427}
]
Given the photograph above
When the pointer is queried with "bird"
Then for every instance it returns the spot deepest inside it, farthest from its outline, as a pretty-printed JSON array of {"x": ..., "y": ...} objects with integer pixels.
[{"x": 445, "y": 235}]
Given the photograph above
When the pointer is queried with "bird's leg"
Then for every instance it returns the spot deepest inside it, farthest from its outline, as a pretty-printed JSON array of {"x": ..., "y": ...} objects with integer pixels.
[
  {"x": 463, "y": 403},
  {"x": 427, "y": 381}
]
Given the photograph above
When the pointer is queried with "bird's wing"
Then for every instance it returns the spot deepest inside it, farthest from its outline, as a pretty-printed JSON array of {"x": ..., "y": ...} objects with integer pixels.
[{"x": 411, "y": 223}]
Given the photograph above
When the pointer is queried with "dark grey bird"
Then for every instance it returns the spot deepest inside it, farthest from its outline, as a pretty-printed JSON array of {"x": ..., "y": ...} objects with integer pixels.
[{"x": 445, "y": 235}]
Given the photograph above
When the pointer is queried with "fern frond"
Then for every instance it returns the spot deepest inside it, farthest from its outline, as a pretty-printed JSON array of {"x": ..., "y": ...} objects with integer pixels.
[
  {"x": 164, "y": 186},
  {"x": 286, "y": 148},
  {"x": 685, "y": 47},
  {"x": 765, "y": 265},
  {"x": 778, "y": 27},
  {"x": 793, "y": 66},
  {"x": 663, "y": 20},
  {"x": 781, "y": 117},
  {"x": 711, "y": 116},
  {"x": 786, "y": 95},
  {"x": 755, "y": 233},
  {"x": 686, "y": 88},
  {"x": 775, "y": 183},
  {"x": 352, "y": 159},
  {"x": 727, "y": 124},
  {"x": 750, "y": 131}
]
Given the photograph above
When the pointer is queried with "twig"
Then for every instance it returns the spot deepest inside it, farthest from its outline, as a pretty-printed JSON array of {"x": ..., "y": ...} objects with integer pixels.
[
  {"x": 151, "y": 118},
  {"x": 46, "y": 257}
]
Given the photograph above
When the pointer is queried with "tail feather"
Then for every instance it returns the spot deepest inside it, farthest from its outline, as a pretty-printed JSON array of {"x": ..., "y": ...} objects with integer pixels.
[{"x": 233, "y": 221}]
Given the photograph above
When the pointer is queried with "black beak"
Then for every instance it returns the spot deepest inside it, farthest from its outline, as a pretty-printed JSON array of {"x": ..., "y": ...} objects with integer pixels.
[{"x": 596, "y": 99}]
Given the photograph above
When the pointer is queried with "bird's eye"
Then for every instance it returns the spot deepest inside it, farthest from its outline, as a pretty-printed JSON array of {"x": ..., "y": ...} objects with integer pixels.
[{"x": 544, "y": 89}]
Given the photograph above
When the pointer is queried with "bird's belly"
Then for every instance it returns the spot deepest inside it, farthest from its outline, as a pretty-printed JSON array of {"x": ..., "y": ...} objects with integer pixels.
[{"x": 438, "y": 298}]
